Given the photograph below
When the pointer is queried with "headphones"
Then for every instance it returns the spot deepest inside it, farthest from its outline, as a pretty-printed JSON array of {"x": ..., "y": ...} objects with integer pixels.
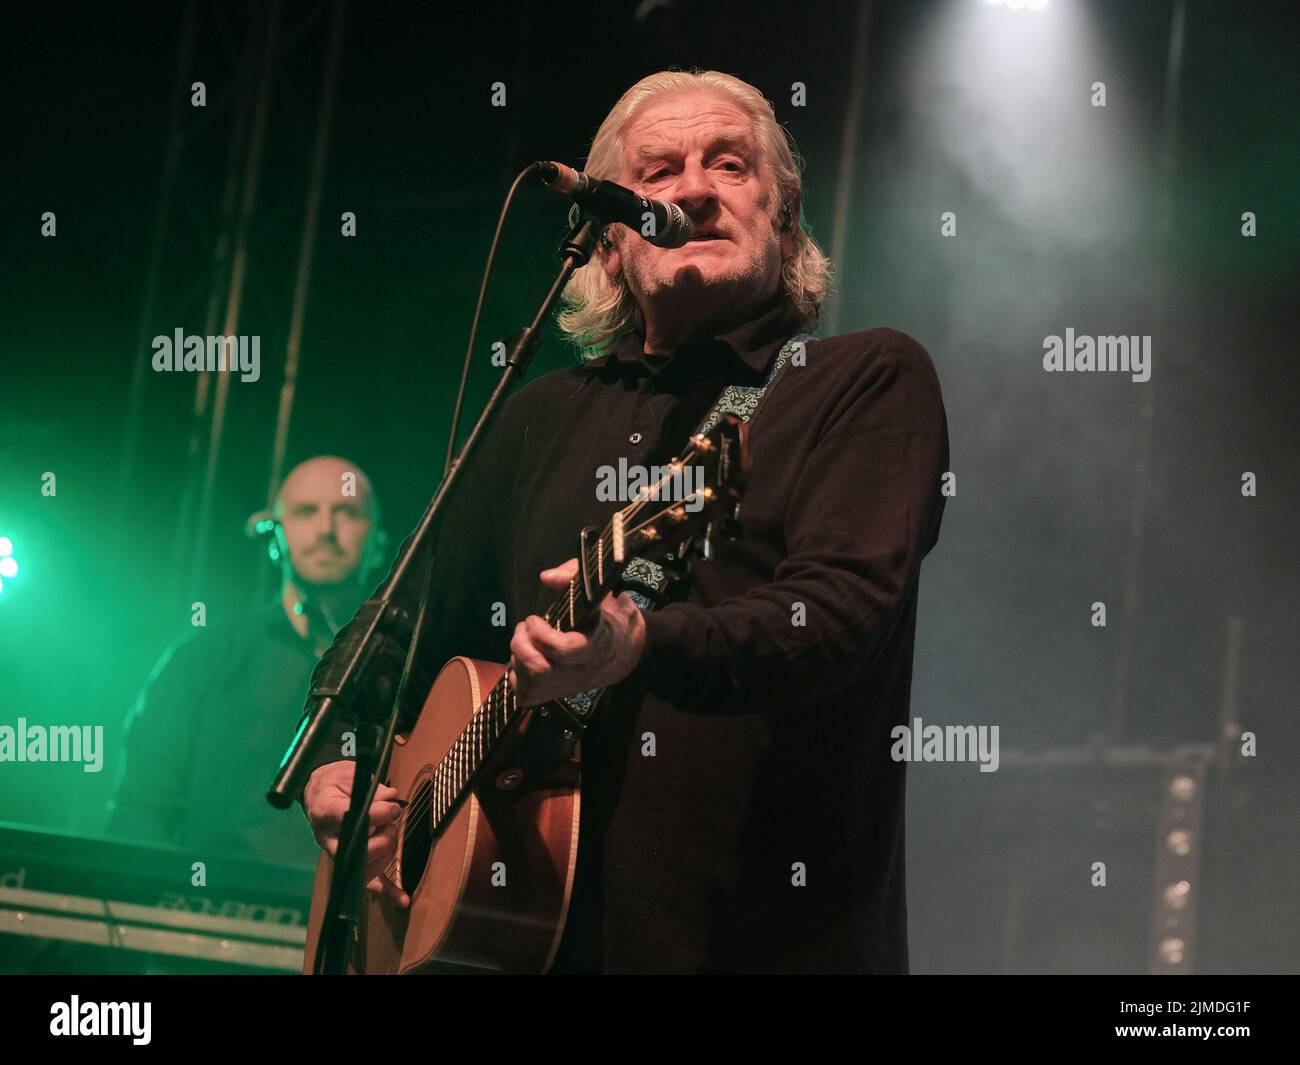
[{"x": 374, "y": 555}]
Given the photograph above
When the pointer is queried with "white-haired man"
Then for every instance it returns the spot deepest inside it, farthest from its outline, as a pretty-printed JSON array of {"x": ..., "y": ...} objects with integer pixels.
[{"x": 740, "y": 808}]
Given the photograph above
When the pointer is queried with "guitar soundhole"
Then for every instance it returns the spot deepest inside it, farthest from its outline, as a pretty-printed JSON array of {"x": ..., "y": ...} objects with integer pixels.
[{"x": 416, "y": 839}]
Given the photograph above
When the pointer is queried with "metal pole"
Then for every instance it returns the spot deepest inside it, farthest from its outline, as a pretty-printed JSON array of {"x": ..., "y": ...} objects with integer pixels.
[
  {"x": 186, "y": 530},
  {"x": 234, "y": 298},
  {"x": 1146, "y": 424},
  {"x": 849, "y": 136},
  {"x": 306, "y": 252},
  {"x": 161, "y": 228}
]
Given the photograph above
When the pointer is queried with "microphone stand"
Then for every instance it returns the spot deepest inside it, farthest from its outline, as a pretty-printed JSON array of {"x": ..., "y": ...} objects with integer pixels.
[{"x": 357, "y": 679}]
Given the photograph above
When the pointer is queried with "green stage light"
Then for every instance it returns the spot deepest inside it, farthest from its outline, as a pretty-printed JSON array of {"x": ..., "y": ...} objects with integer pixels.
[{"x": 8, "y": 564}]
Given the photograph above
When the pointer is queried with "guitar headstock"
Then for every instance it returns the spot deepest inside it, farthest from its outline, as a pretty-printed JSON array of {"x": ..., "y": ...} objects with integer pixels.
[{"x": 699, "y": 489}]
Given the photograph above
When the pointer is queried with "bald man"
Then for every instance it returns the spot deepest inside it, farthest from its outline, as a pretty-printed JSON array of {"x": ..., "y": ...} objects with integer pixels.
[
  {"x": 209, "y": 729},
  {"x": 326, "y": 517}
]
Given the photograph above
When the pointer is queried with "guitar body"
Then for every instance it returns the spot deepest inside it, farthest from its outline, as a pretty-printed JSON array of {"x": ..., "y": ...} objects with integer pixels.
[{"x": 491, "y": 889}]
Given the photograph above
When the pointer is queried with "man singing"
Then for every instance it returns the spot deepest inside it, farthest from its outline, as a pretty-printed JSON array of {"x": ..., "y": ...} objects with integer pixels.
[{"x": 740, "y": 809}]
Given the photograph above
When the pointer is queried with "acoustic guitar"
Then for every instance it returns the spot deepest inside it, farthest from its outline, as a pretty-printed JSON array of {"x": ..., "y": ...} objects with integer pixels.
[{"x": 488, "y": 842}]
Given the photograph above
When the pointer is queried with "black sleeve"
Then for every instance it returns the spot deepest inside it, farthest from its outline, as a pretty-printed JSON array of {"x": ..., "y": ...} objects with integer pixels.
[
  {"x": 864, "y": 512},
  {"x": 150, "y": 797}
]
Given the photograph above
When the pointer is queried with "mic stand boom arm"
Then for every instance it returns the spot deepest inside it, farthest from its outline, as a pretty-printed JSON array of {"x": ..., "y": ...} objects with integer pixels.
[{"x": 358, "y": 678}]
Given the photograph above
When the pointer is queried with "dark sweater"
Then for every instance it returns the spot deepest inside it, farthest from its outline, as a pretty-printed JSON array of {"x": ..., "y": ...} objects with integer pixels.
[
  {"x": 205, "y": 738},
  {"x": 740, "y": 810}
]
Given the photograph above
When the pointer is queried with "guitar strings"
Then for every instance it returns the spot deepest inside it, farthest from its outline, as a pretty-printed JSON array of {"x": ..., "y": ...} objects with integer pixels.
[
  {"x": 431, "y": 789},
  {"x": 437, "y": 779},
  {"x": 555, "y": 613}
]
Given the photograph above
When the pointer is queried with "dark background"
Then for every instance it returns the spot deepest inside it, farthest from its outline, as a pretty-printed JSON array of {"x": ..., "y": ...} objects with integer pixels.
[{"x": 1072, "y": 488}]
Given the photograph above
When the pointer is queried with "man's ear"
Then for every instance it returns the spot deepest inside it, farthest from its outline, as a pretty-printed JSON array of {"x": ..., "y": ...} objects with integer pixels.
[{"x": 787, "y": 235}]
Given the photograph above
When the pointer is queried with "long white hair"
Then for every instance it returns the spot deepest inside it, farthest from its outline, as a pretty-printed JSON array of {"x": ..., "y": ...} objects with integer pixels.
[{"x": 597, "y": 311}]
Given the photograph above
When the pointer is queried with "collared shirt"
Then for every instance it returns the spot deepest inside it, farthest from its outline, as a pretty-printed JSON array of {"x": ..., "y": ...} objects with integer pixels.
[
  {"x": 740, "y": 808},
  {"x": 205, "y": 738},
  {"x": 752, "y": 342}
]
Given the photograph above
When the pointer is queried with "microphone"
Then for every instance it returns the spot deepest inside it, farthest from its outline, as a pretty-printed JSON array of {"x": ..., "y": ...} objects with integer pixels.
[{"x": 663, "y": 224}]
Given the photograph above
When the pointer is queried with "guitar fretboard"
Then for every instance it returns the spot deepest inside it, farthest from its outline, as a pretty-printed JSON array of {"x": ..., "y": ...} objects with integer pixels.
[{"x": 460, "y": 766}]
